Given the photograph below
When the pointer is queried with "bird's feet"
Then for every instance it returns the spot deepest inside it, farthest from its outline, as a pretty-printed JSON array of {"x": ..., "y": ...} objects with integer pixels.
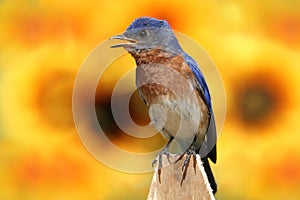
[
  {"x": 189, "y": 152},
  {"x": 158, "y": 160}
]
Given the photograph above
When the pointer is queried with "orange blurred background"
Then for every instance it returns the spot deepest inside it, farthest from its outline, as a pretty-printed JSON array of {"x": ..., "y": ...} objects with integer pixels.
[{"x": 255, "y": 44}]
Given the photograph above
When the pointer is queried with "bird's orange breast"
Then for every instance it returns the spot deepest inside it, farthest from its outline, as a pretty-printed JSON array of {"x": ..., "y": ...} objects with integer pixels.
[{"x": 166, "y": 79}]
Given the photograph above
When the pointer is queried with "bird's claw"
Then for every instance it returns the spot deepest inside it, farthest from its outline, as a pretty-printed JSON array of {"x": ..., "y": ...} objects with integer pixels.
[
  {"x": 159, "y": 160},
  {"x": 189, "y": 152},
  {"x": 154, "y": 162}
]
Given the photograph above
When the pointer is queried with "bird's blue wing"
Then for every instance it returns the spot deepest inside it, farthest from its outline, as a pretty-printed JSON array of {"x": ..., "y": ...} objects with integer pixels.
[
  {"x": 200, "y": 78},
  {"x": 208, "y": 148}
]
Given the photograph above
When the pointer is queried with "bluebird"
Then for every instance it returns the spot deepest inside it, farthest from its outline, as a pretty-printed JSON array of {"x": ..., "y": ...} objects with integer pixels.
[{"x": 170, "y": 80}]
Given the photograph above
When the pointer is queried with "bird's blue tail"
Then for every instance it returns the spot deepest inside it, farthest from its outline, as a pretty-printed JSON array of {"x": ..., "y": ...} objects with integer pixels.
[{"x": 210, "y": 175}]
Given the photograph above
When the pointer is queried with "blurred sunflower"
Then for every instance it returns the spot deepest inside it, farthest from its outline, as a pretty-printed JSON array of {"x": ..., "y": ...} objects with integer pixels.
[
  {"x": 40, "y": 149},
  {"x": 262, "y": 102}
]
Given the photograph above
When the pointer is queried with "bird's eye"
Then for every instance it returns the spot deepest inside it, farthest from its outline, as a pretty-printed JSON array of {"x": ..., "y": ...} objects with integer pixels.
[{"x": 143, "y": 33}]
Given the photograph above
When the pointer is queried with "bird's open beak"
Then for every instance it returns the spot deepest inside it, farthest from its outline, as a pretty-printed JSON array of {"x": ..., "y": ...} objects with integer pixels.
[{"x": 122, "y": 37}]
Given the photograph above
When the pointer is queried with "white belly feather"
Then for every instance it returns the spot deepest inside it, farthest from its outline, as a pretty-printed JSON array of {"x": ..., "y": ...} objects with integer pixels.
[{"x": 180, "y": 119}]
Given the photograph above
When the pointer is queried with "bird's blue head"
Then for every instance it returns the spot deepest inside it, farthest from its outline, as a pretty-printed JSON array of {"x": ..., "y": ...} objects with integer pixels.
[{"x": 147, "y": 33}]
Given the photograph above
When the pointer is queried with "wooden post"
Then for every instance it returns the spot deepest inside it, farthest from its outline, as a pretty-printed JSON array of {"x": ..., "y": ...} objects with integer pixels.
[{"x": 195, "y": 185}]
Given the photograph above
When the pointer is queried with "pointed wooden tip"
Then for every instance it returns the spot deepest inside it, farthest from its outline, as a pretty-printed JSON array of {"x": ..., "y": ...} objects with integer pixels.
[{"x": 195, "y": 185}]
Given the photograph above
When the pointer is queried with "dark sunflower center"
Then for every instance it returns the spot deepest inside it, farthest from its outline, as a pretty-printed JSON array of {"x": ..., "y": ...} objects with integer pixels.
[{"x": 256, "y": 104}]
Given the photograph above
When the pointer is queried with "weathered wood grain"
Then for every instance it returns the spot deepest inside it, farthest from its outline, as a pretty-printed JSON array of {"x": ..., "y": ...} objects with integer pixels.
[{"x": 195, "y": 185}]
